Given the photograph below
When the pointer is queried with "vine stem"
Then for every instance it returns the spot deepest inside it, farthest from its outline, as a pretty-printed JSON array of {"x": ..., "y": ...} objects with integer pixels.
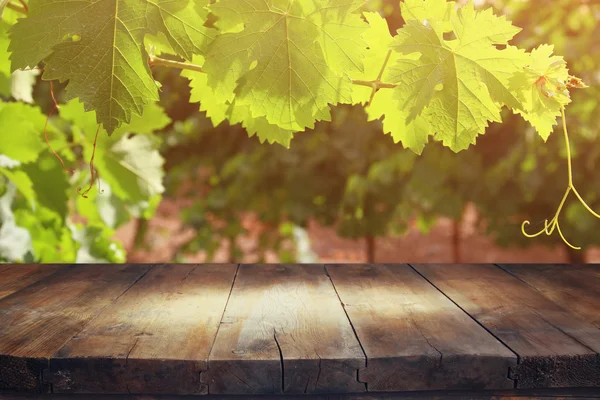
[
  {"x": 174, "y": 64},
  {"x": 379, "y": 75},
  {"x": 153, "y": 61},
  {"x": 18, "y": 8},
  {"x": 550, "y": 226}
]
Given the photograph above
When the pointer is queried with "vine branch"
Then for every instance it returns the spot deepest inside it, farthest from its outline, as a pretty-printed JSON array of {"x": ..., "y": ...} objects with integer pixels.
[{"x": 153, "y": 61}]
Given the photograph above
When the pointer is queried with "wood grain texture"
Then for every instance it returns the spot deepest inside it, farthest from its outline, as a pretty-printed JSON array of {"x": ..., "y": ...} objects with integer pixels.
[
  {"x": 413, "y": 336},
  {"x": 284, "y": 331},
  {"x": 575, "y": 287},
  {"x": 156, "y": 338},
  {"x": 39, "y": 319},
  {"x": 16, "y": 277},
  {"x": 556, "y": 347}
]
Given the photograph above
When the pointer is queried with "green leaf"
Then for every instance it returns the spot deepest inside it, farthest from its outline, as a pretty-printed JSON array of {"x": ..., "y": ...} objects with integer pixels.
[
  {"x": 153, "y": 120},
  {"x": 541, "y": 86},
  {"x": 96, "y": 245},
  {"x": 21, "y": 131},
  {"x": 215, "y": 109},
  {"x": 459, "y": 85},
  {"x": 259, "y": 126},
  {"x": 4, "y": 53},
  {"x": 413, "y": 135},
  {"x": 7, "y": 20},
  {"x": 51, "y": 237},
  {"x": 22, "y": 182},
  {"x": 50, "y": 183},
  {"x": 440, "y": 11},
  {"x": 218, "y": 110},
  {"x": 378, "y": 39},
  {"x": 290, "y": 59},
  {"x": 98, "y": 45}
]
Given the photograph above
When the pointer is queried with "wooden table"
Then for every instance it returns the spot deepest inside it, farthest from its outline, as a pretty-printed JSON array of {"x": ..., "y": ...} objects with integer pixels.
[{"x": 299, "y": 330}]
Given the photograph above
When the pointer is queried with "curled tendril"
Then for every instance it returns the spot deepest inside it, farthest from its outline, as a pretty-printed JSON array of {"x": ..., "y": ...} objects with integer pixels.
[{"x": 550, "y": 226}]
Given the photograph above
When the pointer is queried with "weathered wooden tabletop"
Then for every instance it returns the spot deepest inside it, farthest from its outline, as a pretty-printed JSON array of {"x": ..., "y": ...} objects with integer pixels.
[{"x": 297, "y": 329}]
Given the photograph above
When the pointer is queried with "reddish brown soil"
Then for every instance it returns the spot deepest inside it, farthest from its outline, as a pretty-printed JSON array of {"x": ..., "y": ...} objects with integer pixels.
[{"x": 166, "y": 235}]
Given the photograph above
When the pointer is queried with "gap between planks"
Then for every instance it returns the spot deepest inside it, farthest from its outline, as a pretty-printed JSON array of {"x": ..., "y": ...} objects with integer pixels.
[
  {"x": 509, "y": 372},
  {"x": 351, "y": 325}
]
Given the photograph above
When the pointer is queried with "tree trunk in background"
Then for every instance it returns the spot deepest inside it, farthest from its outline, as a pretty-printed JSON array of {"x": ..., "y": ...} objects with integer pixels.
[
  {"x": 575, "y": 256},
  {"x": 141, "y": 228},
  {"x": 231, "y": 250},
  {"x": 456, "y": 230},
  {"x": 370, "y": 241}
]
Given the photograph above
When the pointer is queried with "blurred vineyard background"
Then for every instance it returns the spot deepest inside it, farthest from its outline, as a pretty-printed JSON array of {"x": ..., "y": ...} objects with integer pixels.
[{"x": 342, "y": 193}]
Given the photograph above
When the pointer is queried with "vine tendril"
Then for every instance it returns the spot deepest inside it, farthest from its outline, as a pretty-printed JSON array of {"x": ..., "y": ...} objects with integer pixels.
[
  {"x": 550, "y": 226},
  {"x": 93, "y": 171},
  {"x": 55, "y": 108}
]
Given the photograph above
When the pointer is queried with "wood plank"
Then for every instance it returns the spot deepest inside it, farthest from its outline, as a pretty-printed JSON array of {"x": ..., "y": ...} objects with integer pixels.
[
  {"x": 556, "y": 347},
  {"x": 575, "y": 287},
  {"x": 554, "y": 394},
  {"x": 15, "y": 277},
  {"x": 39, "y": 319},
  {"x": 156, "y": 338},
  {"x": 284, "y": 331},
  {"x": 413, "y": 336}
]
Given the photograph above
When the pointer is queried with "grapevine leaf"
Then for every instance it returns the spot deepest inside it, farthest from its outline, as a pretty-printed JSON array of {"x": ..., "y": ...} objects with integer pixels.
[
  {"x": 50, "y": 236},
  {"x": 7, "y": 20},
  {"x": 378, "y": 39},
  {"x": 289, "y": 60},
  {"x": 98, "y": 46},
  {"x": 157, "y": 45},
  {"x": 4, "y": 54},
  {"x": 218, "y": 110},
  {"x": 51, "y": 183},
  {"x": 440, "y": 11},
  {"x": 21, "y": 127},
  {"x": 457, "y": 85},
  {"x": 413, "y": 135},
  {"x": 542, "y": 89},
  {"x": 260, "y": 126},
  {"x": 215, "y": 109},
  {"x": 154, "y": 119},
  {"x": 21, "y": 181}
]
